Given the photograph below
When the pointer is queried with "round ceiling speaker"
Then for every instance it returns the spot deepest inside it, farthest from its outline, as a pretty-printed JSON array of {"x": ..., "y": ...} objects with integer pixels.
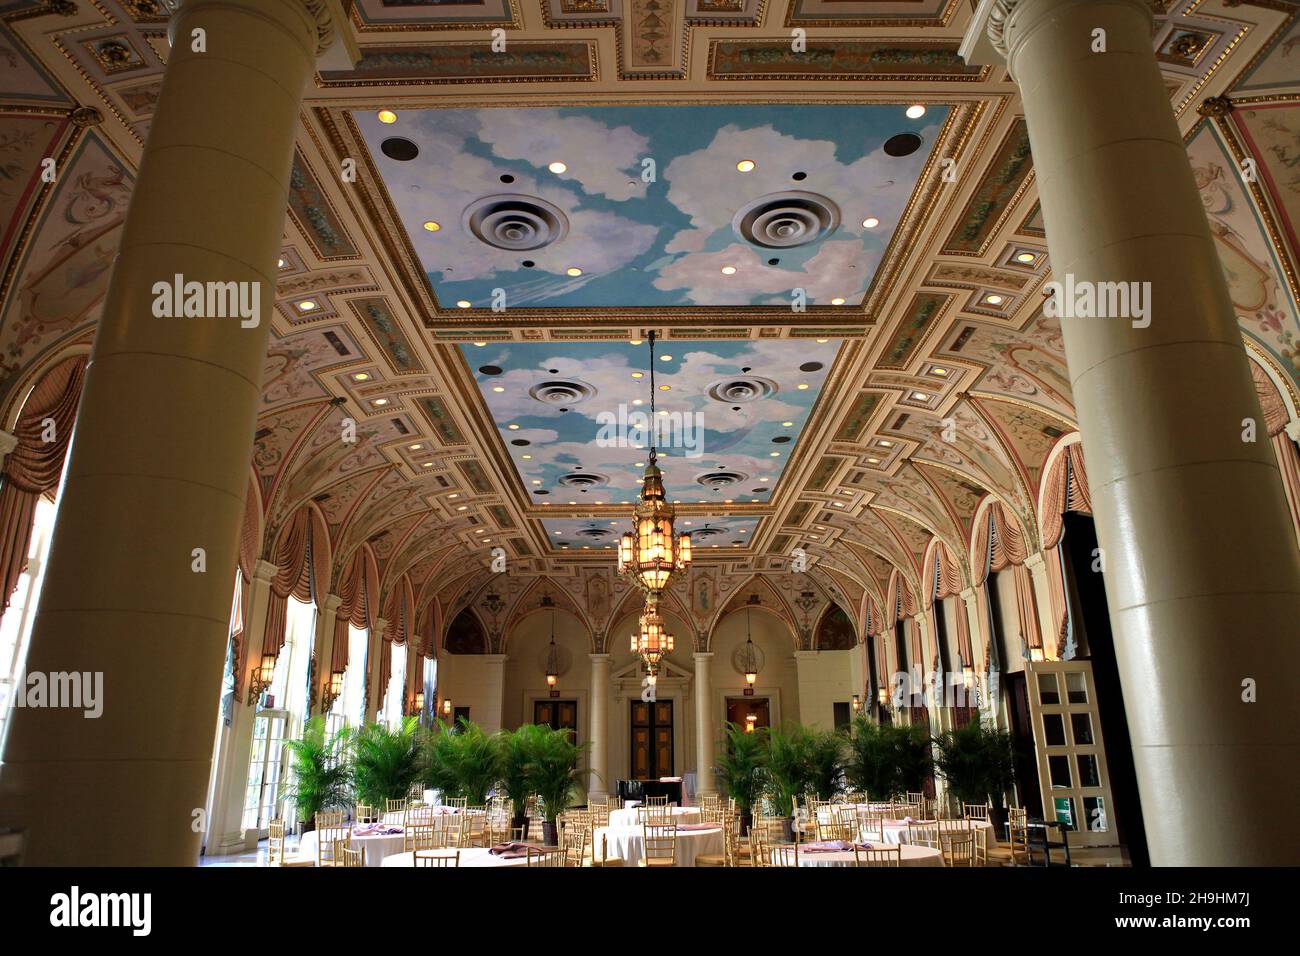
[
  {"x": 741, "y": 389},
  {"x": 594, "y": 534},
  {"x": 786, "y": 219},
  {"x": 583, "y": 480},
  {"x": 721, "y": 479},
  {"x": 562, "y": 394},
  {"x": 516, "y": 223}
]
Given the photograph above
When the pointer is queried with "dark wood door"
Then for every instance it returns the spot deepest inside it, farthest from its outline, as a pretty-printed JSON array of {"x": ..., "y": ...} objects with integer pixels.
[
  {"x": 557, "y": 714},
  {"x": 652, "y": 739}
]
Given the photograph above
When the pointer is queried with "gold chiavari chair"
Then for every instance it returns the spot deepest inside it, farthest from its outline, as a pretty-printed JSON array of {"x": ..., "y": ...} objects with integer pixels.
[
  {"x": 420, "y": 836},
  {"x": 600, "y": 813},
  {"x": 871, "y": 823},
  {"x": 364, "y": 813},
  {"x": 460, "y": 803},
  {"x": 923, "y": 834},
  {"x": 653, "y": 813},
  {"x": 958, "y": 847},
  {"x": 975, "y": 811},
  {"x": 604, "y": 859},
  {"x": 329, "y": 818},
  {"x": 575, "y": 843},
  {"x": 730, "y": 855},
  {"x": 899, "y": 810},
  {"x": 437, "y": 857},
  {"x": 275, "y": 848},
  {"x": 458, "y": 827},
  {"x": 759, "y": 846},
  {"x": 1016, "y": 851},
  {"x": 785, "y": 854},
  {"x": 878, "y": 856},
  {"x": 552, "y": 856},
  {"x": 831, "y": 826},
  {"x": 660, "y": 845},
  {"x": 420, "y": 816},
  {"x": 920, "y": 799},
  {"x": 350, "y": 858},
  {"x": 415, "y": 794},
  {"x": 476, "y": 819},
  {"x": 395, "y": 806},
  {"x": 329, "y": 842},
  {"x": 661, "y": 801}
]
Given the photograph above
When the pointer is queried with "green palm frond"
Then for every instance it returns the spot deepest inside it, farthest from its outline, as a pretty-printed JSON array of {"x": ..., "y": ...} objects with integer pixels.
[
  {"x": 739, "y": 771},
  {"x": 385, "y": 763},
  {"x": 321, "y": 776}
]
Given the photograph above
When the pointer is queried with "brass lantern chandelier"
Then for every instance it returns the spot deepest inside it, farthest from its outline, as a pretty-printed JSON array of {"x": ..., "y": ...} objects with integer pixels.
[
  {"x": 653, "y": 552},
  {"x": 652, "y": 641}
]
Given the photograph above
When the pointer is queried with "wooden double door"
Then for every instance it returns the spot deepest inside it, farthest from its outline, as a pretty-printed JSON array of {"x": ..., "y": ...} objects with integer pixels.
[{"x": 652, "y": 739}]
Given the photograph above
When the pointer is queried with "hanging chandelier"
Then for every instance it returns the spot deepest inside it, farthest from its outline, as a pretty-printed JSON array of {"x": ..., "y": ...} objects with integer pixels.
[
  {"x": 553, "y": 661},
  {"x": 652, "y": 642},
  {"x": 749, "y": 659},
  {"x": 652, "y": 553}
]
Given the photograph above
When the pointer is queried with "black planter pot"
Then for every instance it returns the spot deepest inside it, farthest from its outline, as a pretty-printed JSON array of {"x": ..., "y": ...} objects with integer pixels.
[
  {"x": 519, "y": 822},
  {"x": 550, "y": 836},
  {"x": 787, "y": 829},
  {"x": 746, "y": 821}
]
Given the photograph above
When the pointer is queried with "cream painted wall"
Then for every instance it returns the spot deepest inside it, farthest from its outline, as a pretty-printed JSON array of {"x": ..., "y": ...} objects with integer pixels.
[
  {"x": 1012, "y": 660},
  {"x": 825, "y": 677},
  {"x": 473, "y": 681},
  {"x": 525, "y": 668},
  {"x": 778, "y": 679}
]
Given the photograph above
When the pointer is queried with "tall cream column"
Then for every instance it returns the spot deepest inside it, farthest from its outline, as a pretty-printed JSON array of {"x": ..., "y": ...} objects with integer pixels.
[
  {"x": 599, "y": 732},
  {"x": 325, "y": 617},
  {"x": 704, "y": 729},
  {"x": 376, "y": 683},
  {"x": 1202, "y": 571},
  {"x": 1037, "y": 566},
  {"x": 160, "y": 465}
]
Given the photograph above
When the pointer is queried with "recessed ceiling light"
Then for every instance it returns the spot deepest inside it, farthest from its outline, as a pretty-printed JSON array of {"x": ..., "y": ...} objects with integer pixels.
[
  {"x": 939, "y": 370},
  {"x": 993, "y": 299},
  {"x": 464, "y": 304},
  {"x": 558, "y": 168},
  {"x": 486, "y": 540},
  {"x": 497, "y": 388},
  {"x": 416, "y": 447},
  {"x": 638, "y": 374},
  {"x": 427, "y": 464},
  {"x": 528, "y": 457},
  {"x": 1026, "y": 257},
  {"x": 665, "y": 388},
  {"x": 537, "y": 481},
  {"x": 802, "y": 386},
  {"x": 787, "y": 424},
  {"x": 454, "y": 494},
  {"x": 308, "y": 305},
  {"x": 478, "y": 530},
  {"x": 884, "y": 443},
  {"x": 921, "y": 396},
  {"x": 573, "y": 271},
  {"x": 280, "y": 263},
  {"x": 665, "y": 358},
  {"x": 431, "y": 225},
  {"x": 361, "y": 377},
  {"x": 638, "y": 401},
  {"x": 634, "y": 342},
  {"x": 871, "y": 222},
  {"x": 387, "y": 116},
  {"x": 728, "y": 270},
  {"x": 745, "y": 165},
  {"x": 513, "y": 428},
  {"x": 835, "y": 301},
  {"x": 915, "y": 111},
  {"x": 776, "y": 454},
  {"x": 463, "y": 508},
  {"x": 381, "y": 401},
  {"x": 873, "y": 461},
  {"x": 765, "y": 479},
  {"x": 822, "y": 341}
]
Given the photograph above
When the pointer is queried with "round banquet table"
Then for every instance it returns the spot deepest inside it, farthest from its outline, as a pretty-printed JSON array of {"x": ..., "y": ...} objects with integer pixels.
[
  {"x": 911, "y": 856},
  {"x": 627, "y": 817},
  {"x": 895, "y": 831},
  {"x": 628, "y": 843},
  {"x": 471, "y": 856},
  {"x": 378, "y": 847}
]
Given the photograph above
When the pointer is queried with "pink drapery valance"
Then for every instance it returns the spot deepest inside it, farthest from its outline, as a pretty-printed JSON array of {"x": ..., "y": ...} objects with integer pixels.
[
  {"x": 35, "y": 465},
  {"x": 293, "y": 576},
  {"x": 1288, "y": 455},
  {"x": 360, "y": 580},
  {"x": 1065, "y": 489},
  {"x": 999, "y": 540},
  {"x": 398, "y": 614}
]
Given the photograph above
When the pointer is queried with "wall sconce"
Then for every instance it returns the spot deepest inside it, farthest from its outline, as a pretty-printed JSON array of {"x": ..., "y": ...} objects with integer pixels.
[
  {"x": 968, "y": 676},
  {"x": 856, "y": 703},
  {"x": 333, "y": 691},
  {"x": 417, "y": 704},
  {"x": 446, "y": 707},
  {"x": 261, "y": 678},
  {"x": 882, "y": 698}
]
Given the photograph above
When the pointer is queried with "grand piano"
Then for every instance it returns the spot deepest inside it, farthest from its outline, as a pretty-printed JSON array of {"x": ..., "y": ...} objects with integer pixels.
[{"x": 639, "y": 790}]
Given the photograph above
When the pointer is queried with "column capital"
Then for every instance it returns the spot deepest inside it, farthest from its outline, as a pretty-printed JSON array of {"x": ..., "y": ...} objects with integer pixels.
[
  {"x": 8, "y": 442},
  {"x": 997, "y": 26},
  {"x": 263, "y": 571},
  {"x": 335, "y": 45},
  {"x": 1293, "y": 429},
  {"x": 601, "y": 658},
  {"x": 1035, "y": 561},
  {"x": 703, "y": 656}
]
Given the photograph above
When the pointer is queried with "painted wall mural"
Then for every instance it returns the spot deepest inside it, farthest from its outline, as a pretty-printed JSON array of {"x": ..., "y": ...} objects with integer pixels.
[
  {"x": 1255, "y": 277},
  {"x": 494, "y": 225}
]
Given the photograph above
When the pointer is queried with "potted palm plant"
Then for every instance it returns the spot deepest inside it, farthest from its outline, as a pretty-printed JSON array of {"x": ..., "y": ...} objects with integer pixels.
[
  {"x": 913, "y": 762},
  {"x": 385, "y": 763},
  {"x": 786, "y": 774},
  {"x": 825, "y": 759},
  {"x": 462, "y": 761},
  {"x": 739, "y": 773},
  {"x": 978, "y": 763},
  {"x": 552, "y": 773},
  {"x": 514, "y": 749},
  {"x": 321, "y": 777},
  {"x": 869, "y": 766}
]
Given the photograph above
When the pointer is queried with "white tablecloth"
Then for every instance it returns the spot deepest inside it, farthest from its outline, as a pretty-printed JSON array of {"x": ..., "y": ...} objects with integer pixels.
[
  {"x": 911, "y": 856},
  {"x": 627, "y": 817},
  {"x": 628, "y": 843},
  {"x": 895, "y": 832},
  {"x": 473, "y": 856},
  {"x": 377, "y": 847}
]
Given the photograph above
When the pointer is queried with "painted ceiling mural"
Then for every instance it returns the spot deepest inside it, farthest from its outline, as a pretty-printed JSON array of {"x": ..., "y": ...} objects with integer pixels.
[
  {"x": 650, "y": 209},
  {"x": 552, "y": 206}
]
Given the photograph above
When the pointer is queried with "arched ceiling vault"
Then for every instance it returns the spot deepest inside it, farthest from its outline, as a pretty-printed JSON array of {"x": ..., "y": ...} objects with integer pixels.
[{"x": 939, "y": 381}]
